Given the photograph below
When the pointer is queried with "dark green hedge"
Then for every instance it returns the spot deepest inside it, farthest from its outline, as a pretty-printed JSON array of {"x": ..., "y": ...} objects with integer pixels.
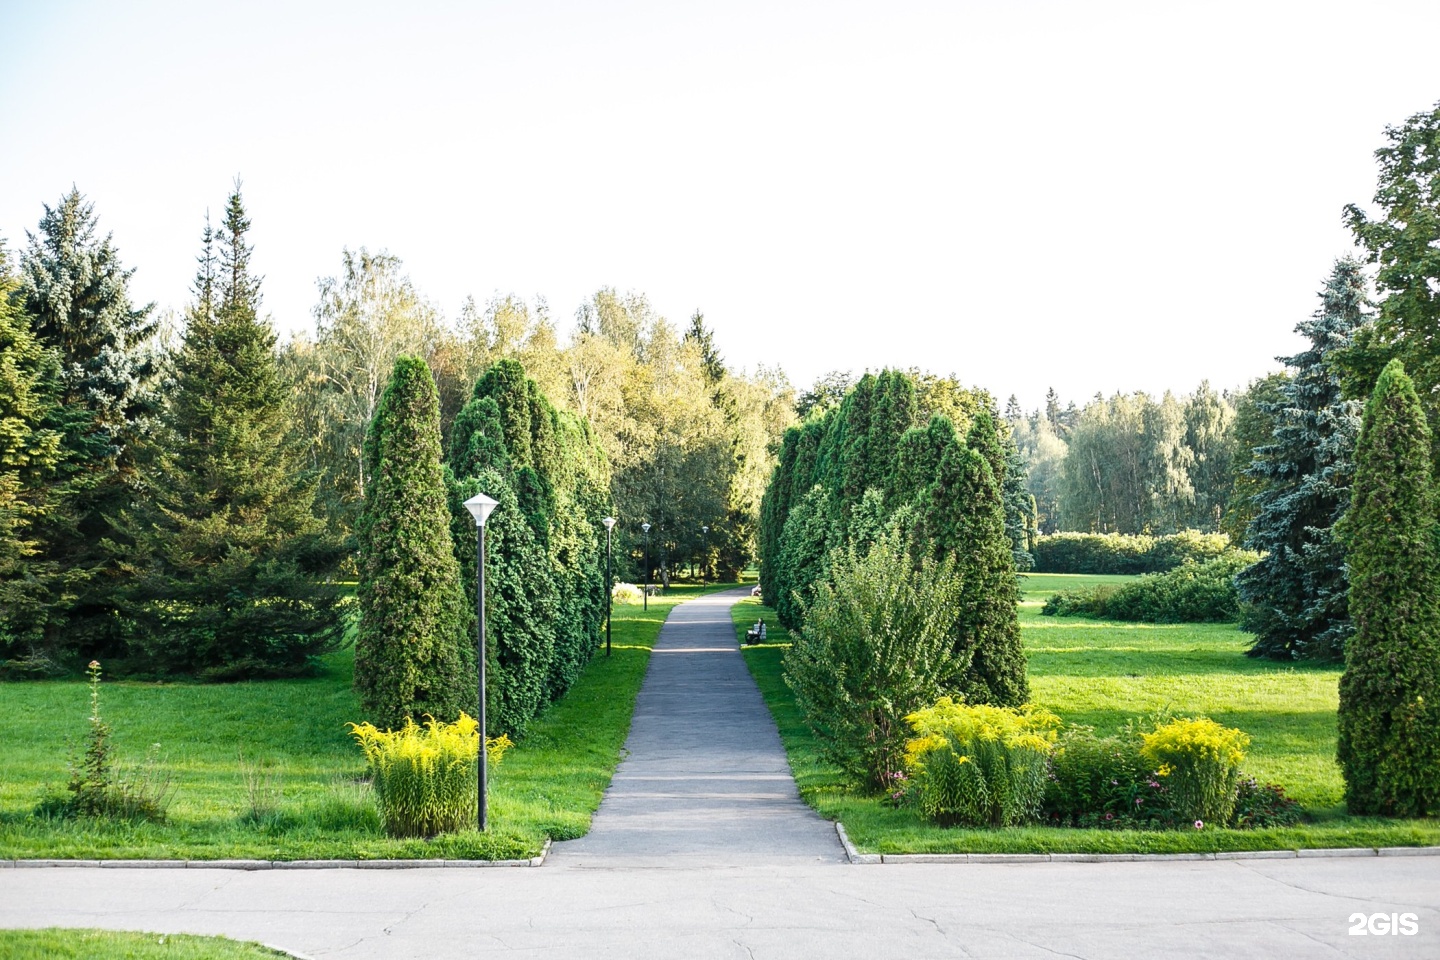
[
  {"x": 1191, "y": 593},
  {"x": 1126, "y": 553}
]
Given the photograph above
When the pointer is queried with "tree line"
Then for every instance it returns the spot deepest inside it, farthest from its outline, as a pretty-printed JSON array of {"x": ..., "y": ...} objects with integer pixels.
[{"x": 186, "y": 494}]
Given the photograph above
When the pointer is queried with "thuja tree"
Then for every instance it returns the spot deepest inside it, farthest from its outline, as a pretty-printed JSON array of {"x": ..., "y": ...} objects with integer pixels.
[
  {"x": 545, "y": 590},
  {"x": 1295, "y": 595},
  {"x": 964, "y": 517},
  {"x": 1389, "y": 721},
  {"x": 228, "y": 557},
  {"x": 414, "y": 652}
]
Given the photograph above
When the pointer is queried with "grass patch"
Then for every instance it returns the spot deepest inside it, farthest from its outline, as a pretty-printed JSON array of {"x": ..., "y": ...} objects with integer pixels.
[
  {"x": 57, "y": 944},
  {"x": 1103, "y": 673},
  {"x": 288, "y": 739}
]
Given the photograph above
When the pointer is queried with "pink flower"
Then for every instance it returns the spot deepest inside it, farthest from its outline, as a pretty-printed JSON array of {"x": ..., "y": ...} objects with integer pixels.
[
  {"x": 1109, "y": 816},
  {"x": 1199, "y": 824}
]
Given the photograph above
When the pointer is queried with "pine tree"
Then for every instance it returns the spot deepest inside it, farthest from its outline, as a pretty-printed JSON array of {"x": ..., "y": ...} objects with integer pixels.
[
  {"x": 30, "y": 453},
  {"x": 1389, "y": 719},
  {"x": 703, "y": 337},
  {"x": 228, "y": 552},
  {"x": 1296, "y": 594},
  {"x": 414, "y": 649},
  {"x": 75, "y": 290}
]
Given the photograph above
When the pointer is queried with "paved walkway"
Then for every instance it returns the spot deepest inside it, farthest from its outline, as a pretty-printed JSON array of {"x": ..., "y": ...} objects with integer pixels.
[
  {"x": 701, "y": 850},
  {"x": 704, "y": 775}
]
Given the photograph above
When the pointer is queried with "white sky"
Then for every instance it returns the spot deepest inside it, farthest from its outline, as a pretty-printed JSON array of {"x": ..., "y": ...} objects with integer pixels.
[{"x": 1094, "y": 196}]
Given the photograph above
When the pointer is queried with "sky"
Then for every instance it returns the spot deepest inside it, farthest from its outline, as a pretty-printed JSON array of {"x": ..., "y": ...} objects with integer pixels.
[{"x": 1087, "y": 196}]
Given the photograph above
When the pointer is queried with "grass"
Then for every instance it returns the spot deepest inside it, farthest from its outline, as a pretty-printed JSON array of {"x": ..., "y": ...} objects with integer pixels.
[
  {"x": 290, "y": 737},
  {"x": 1103, "y": 673},
  {"x": 57, "y": 944}
]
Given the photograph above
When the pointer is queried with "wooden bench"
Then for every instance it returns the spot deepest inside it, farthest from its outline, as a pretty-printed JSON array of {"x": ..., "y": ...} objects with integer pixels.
[{"x": 756, "y": 634}]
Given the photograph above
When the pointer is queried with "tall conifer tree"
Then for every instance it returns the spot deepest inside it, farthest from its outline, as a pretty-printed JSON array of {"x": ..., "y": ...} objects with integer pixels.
[
  {"x": 30, "y": 452},
  {"x": 1389, "y": 720},
  {"x": 1296, "y": 594},
  {"x": 229, "y": 557},
  {"x": 75, "y": 290},
  {"x": 414, "y": 649}
]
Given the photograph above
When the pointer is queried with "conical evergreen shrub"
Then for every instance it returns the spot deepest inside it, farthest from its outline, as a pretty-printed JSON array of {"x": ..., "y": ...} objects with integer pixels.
[
  {"x": 1389, "y": 721},
  {"x": 415, "y": 647}
]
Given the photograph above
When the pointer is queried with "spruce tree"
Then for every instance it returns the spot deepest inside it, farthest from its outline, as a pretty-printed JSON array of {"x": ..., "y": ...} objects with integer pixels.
[
  {"x": 75, "y": 291},
  {"x": 30, "y": 452},
  {"x": 415, "y": 645},
  {"x": 228, "y": 552},
  {"x": 1296, "y": 594},
  {"x": 1389, "y": 719}
]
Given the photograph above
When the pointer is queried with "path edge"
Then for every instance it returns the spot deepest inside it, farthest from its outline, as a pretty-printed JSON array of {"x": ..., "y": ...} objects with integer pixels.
[{"x": 536, "y": 861}]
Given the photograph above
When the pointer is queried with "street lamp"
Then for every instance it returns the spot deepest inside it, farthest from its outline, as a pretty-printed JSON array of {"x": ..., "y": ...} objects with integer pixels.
[
  {"x": 609, "y": 586},
  {"x": 480, "y": 507},
  {"x": 646, "y": 527},
  {"x": 704, "y": 551}
]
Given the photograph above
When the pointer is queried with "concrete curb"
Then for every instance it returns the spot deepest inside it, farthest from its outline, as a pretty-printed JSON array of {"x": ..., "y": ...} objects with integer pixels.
[
  {"x": 855, "y": 856},
  {"x": 535, "y": 861},
  {"x": 851, "y": 854}
]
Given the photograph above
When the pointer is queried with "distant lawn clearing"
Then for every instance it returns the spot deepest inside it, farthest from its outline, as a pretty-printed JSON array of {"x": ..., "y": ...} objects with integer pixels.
[
  {"x": 294, "y": 730},
  {"x": 1102, "y": 673}
]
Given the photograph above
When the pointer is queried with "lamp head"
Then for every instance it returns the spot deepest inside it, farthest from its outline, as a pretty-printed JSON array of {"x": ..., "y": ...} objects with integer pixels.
[
  {"x": 645, "y": 527},
  {"x": 704, "y": 529},
  {"x": 609, "y": 522},
  {"x": 480, "y": 507}
]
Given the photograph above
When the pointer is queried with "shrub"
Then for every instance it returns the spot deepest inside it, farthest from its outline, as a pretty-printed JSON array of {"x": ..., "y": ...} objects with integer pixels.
[
  {"x": 425, "y": 777},
  {"x": 979, "y": 765},
  {"x": 1264, "y": 805},
  {"x": 1103, "y": 781},
  {"x": 1200, "y": 763},
  {"x": 96, "y": 788},
  {"x": 875, "y": 645},
  {"x": 626, "y": 593},
  {"x": 1126, "y": 553},
  {"x": 1191, "y": 593}
]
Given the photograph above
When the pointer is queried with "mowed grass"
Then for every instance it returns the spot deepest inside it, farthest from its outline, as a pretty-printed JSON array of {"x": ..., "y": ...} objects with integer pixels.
[
  {"x": 1103, "y": 674},
  {"x": 294, "y": 732},
  {"x": 57, "y": 944}
]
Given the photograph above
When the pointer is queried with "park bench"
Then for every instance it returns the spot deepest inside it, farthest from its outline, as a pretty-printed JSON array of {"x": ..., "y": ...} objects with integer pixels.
[{"x": 756, "y": 634}]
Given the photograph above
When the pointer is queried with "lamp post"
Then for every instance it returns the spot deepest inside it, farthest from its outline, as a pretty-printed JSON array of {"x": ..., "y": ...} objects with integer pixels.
[
  {"x": 704, "y": 551},
  {"x": 646, "y": 527},
  {"x": 480, "y": 507},
  {"x": 609, "y": 585}
]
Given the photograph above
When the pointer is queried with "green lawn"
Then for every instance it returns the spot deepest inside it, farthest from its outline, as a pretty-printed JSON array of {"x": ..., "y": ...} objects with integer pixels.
[
  {"x": 57, "y": 944},
  {"x": 294, "y": 732},
  {"x": 1102, "y": 674}
]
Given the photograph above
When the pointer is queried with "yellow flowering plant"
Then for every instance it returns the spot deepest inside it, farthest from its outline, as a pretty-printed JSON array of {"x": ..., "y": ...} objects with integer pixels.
[
  {"x": 1200, "y": 761},
  {"x": 425, "y": 776},
  {"x": 979, "y": 765}
]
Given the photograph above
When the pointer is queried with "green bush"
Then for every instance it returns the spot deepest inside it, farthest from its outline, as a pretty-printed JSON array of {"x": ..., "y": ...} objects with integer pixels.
[
  {"x": 425, "y": 778},
  {"x": 875, "y": 646},
  {"x": 1191, "y": 593},
  {"x": 1105, "y": 782},
  {"x": 979, "y": 765},
  {"x": 1199, "y": 761},
  {"x": 1126, "y": 553},
  {"x": 1264, "y": 805}
]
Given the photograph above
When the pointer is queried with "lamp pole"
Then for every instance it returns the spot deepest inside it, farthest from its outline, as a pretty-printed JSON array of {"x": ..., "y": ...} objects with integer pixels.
[
  {"x": 646, "y": 527},
  {"x": 609, "y": 584},
  {"x": 704, "y": 551},
  {"x": 480, "y": 507}
]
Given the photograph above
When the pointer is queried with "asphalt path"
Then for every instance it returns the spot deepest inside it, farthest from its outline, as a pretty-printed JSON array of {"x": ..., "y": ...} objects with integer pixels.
[{"x": 702, "y": 849}]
